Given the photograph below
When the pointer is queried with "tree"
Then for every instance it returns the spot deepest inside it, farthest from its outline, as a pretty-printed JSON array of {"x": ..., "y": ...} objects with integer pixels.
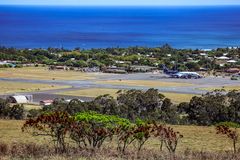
[
  {"x": 192, "y": 66},
  {"x": 140, "y": 104},
  {"x": 108, "y": 104}
]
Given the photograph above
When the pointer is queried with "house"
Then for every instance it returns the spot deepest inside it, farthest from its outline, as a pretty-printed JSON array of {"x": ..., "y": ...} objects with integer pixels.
[
  {"x": 203, "y": 54},
  {"x": 3, "y": 63},
  {"x": 231, "y": 61},
  {"x": 136, "y": 68},
  {"x": 233, "y": 70},
  {"x": 57, "y": 68},
  {"x": 69, "y": 100},
  {"x": 222, "y": 60}
]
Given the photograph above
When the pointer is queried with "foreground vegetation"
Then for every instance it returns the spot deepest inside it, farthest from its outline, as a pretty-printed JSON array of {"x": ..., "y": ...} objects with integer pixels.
[
  {"x": 196, "y": 138},
  {"x": 136, "y": 125}
]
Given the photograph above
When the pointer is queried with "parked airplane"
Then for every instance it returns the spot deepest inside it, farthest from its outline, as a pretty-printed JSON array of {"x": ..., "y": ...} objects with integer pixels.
[{"x": 176, "y": 74}]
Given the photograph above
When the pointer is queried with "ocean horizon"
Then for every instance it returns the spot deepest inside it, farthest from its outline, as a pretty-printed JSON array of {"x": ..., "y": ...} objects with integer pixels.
[{"x": 193, "y": 27}]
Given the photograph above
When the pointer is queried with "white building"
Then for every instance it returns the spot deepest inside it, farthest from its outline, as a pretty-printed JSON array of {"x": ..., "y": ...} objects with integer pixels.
[{"x": 20, "y": 99}]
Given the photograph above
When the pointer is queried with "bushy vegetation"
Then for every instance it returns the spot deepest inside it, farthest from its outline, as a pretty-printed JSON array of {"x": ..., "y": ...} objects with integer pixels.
[{"x": 109, "y": 56}]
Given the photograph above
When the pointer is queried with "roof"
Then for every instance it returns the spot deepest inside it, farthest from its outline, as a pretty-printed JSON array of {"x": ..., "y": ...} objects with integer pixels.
[
  {"x": 46, "y": 102},
  {"x": 232, "y": 61},
  {"x": 223, "y": 58}
]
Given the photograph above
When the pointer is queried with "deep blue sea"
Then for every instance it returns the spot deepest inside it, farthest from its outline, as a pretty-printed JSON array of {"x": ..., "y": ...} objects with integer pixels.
[{"x": 101, "y": 27}]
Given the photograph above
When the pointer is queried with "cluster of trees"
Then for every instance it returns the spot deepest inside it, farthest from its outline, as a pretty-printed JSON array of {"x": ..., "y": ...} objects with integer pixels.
[
  {"x": 109, "y": 56},
  {"x": 91, "y": 130},
  {"x": 130, "y": 104},
  {"x": 209, "y": 109},
  {"x": 212, "y": 108}
]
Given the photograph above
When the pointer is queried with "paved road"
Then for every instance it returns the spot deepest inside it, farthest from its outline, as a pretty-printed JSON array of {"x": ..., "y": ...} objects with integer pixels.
[{"x": 83, "y": 84}]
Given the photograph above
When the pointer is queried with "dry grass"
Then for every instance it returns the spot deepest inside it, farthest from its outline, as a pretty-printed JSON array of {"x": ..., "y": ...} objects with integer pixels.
[
  {"x": 145, "y": 83},
  {"x": 94, "y": 92},
  {"x": 31, "y": 106},
  {"x": 227, "y": 88},
  {"x": 91, "y": 92},
  {"x": 14, "y": 87},
  {"x": 179, "y": 97},
  {"x": 200, "y": 138},
  {"x": 42, "y": 73},
  {"x": 10, "y": 132},
  {"x": 196, "y": 138}
]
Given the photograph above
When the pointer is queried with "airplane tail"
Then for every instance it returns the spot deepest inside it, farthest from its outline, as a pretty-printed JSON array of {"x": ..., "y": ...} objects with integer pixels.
[
  {"x": 165, "y": 69},
  {"x": 175, "y": 68}
]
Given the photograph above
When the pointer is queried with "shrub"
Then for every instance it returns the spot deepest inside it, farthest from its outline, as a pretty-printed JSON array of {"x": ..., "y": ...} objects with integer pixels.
[
  {"x": 96, "y": 128},
  {"x": 167, "y": 136},
  {"x": 141, "y": 133},
  {"x": 54, "y": 124}
]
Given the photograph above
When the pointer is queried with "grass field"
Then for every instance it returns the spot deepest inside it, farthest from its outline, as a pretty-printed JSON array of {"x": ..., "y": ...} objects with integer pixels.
[
  {"x": 94, "y": 92},
  {"x": 227, "y": 88},
  {"x": 42, "y": 73},
  {"x": 145, "y": 83},
  {"x": 14, "y": 87},
  {"x": 195, "y": 137},
  {"x": 31, "y": 106},
  {"x": 10, "y": 132}
]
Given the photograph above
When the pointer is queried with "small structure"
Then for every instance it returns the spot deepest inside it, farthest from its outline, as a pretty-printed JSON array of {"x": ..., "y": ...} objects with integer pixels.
[
  {"x": 135, "y": 68},
  {"x": 20, "y": 99},
  {"x": 57, "y": 68},
  {"x": 114, "y": 69},
  {"x": 223, "y": 58},
  {"x": 5, "y": 63},
  {"x": 46, "y": 102},
  {"x": 233, "y": 70},
  {"x": 231, "y": 61},
  {"x": 69, "y": 100}
]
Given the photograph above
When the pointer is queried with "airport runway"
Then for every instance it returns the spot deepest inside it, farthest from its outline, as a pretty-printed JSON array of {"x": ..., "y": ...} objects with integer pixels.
[{"x": 84, "y": 84}]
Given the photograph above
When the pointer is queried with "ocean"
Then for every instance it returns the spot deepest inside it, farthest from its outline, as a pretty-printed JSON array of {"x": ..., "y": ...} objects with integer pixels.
[{"x": 102, "y": 27}]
